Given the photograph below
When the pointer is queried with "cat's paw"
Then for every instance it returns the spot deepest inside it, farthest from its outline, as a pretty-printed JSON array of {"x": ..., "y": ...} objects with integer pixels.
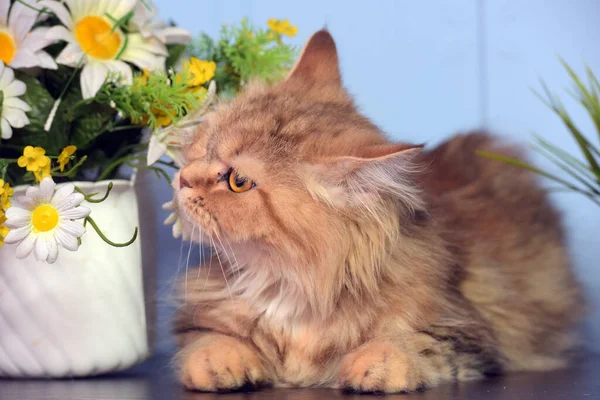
[
  {"x": 380, "y": 367},
  {"x": 221, "y": 363}
]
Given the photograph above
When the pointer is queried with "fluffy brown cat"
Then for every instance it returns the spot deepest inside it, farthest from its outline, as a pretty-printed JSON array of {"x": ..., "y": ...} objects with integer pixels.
[{"x": 346, "y": 261}]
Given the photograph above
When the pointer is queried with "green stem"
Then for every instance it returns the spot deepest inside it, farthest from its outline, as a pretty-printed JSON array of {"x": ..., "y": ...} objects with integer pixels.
[
  {"x": 33, "y": 8},
  {"x": 125, "y": 127},
  {"x": 114, "y": 165},
  {"x": 73, "y": 169},
  {"x": 90, "y": 197},
  {"x": 103, "y": 237}
]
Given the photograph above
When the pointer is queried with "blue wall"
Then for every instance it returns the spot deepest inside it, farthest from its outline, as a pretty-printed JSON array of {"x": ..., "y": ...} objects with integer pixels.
[{"x": 423, "y": 70}]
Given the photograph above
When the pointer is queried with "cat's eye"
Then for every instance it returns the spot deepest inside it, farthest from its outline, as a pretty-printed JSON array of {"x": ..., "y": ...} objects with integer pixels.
[{"x": 238, "y": 183}]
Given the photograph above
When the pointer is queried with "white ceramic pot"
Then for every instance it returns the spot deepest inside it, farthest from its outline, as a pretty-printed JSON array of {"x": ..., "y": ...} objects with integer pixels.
[{"x": 91, "y": 312}]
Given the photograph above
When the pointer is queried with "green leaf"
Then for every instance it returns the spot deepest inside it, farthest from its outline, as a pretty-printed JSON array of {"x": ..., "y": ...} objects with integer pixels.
[
  {"x": 92, "y": 120},
  {"x": 41, "y": 103}
]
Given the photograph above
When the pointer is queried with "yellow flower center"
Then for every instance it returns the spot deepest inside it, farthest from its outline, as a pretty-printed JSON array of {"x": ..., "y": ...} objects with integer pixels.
[
  {"x": 96, "y": 38},
  {"x": 8, "y": 49},
  {"x": 44, "y": 218}
]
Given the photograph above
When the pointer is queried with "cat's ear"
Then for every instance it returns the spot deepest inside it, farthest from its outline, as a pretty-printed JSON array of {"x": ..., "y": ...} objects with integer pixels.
[
  {"x": 318, "y": 62},
  {"x": 377, "y": 171}
]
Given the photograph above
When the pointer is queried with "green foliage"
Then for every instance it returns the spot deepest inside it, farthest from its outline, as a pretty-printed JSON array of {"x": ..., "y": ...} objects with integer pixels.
[
  {"x": 584, "y": 171},
  {"x": 152, "y": 95},
  {"x": 243, "y": 52}
]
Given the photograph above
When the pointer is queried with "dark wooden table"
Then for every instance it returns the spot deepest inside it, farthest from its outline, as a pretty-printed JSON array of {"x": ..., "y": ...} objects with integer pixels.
[{"x": 154, "y": 380}]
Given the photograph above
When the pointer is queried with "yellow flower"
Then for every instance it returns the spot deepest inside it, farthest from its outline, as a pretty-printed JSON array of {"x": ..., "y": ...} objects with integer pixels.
[
  {"x": 33, "y": 158},
  {"x": 5, "y": 193},
  {"x": 3, "y": 228},
  {"x": 202, "y": 71},
  {"x": 282, "y": 27},
  {"x": 65, "y": 156},
  {"x": 42, "y": 173}
]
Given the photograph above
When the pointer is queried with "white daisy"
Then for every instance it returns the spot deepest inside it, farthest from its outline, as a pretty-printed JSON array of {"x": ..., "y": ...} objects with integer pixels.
[
  {"x": 143, "y": 21},
  {"x": 46, "y": 219},
  {"x": 93, "y": 41},
  {"x": 170, "y": 140},
  {"x": 179, "y": 228},
  {"x": 20, "y": 46},
  {"x": 12, "y": 109}
]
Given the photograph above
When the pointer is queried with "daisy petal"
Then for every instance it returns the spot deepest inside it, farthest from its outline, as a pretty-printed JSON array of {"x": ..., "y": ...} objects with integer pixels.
[
  {"x": 62, "y": 193},
  {"x": 39, "y": 38},
  {"x": 52, "y": 250},
  {"x": 75, "y": 213},
  {"x": 45, "y": 60},
  {"x": 5, "y": 129},
  {"x": 123, "y": 70},
  {"x": 15, "y": 88},
  {"x": 15, "y": 102},
  {"x": 174, "y": 35},
  {"x": 21, "y": 19},
  {"x": 17, "y": 217},
  {"x": 93, "y": 76},
  {"x": 71, "y": 55},
  {"x": 170, "y": 219},
  {"x": 47, "y": 187},
  {"x": 65, "y": 240},
  {"x": 4, "y": 6},
  {"x": 69, "y": 202},
  {"x": 26, "y": 202},
  {"x": 15, "y": 117},
  {"x": 59, "y": 32},
  {"x": 41, "y": 249},
  {"x": 60, "y": 10},
  {"x": 72, "y": 228},
  {"x": 25, "y": 58},
  {"x": 26, "y": 246},
  {"x": 17, "y": 235},
  {"x": 7, "y": 75}
]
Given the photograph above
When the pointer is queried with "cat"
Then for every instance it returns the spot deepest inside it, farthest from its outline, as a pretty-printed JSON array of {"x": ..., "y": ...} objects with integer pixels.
[{"x": 345, "y": 260}]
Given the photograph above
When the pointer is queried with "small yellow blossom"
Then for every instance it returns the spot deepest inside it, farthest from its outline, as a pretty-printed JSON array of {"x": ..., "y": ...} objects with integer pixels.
[
  {"x": 202, "y": 71},
  {"x": 42, "y": 173},
  {"x": 3, "y": 228},
  {"x": 5, "y": 194},
  {"x": 65, "y": 156},
  {"x": 282, "y": 27},
  {"x": 33, "y": 158}
]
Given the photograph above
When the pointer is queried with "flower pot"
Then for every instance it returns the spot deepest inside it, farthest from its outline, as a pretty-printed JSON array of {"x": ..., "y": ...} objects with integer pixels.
[{"x": 89, "y": 312}]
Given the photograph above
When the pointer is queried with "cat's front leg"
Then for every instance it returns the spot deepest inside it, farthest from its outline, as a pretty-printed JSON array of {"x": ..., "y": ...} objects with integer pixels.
[
  {"x": 215, "y": 362},
  {"x": 382, "y": 365},
  {"x": 419, "y": 360}
]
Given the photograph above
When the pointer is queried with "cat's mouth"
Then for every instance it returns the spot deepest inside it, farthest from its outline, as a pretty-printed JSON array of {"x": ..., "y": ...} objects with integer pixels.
[{"x": 199, "y": 223}]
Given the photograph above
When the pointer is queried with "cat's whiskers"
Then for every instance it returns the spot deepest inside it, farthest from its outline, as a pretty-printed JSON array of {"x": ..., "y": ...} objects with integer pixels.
[
  {"x": 201, "y": 255},
  {"x": 235, "y": 267},
  {"x": 221, "y": 265},
  {"x": 187, "y": 264},
  {"x": 176, "y": 280},
  {"x": 231, "y": 266}
]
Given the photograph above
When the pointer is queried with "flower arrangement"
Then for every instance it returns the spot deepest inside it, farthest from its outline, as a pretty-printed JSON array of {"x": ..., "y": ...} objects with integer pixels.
[
  {"x": 584, "y": 171},
  {"x": 87, "y": 88}
]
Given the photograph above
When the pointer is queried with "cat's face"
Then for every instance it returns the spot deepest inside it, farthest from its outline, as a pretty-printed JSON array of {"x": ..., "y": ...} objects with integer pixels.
[{"x": 285, "y": 168}]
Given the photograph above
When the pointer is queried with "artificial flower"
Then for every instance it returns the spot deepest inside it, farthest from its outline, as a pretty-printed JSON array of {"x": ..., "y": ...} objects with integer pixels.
[
  {"x": 3, "y": 228},
  {"x": 175, "y": 219},
  {"x": 42, "y": 173},
  {"x": 21, "y": 46},
  {"x": 65, "y": 156},
  {"x": 12, "y": 109},
  {"x": 282, "y": 27},
  {"x": 143, "y": 21},
  {"x": 33, "y": 158},
  {"x": 102, "y": 47},
  {"x": 45, "y": 220},
  {"x": 201, "y": 71},
  {"x": 171, "y": 139},
  {"x": 6, "y": 193}
]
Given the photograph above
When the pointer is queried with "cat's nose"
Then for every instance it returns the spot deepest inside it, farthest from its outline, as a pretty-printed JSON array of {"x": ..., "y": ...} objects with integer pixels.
[{"x": 183, "y": 183}]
